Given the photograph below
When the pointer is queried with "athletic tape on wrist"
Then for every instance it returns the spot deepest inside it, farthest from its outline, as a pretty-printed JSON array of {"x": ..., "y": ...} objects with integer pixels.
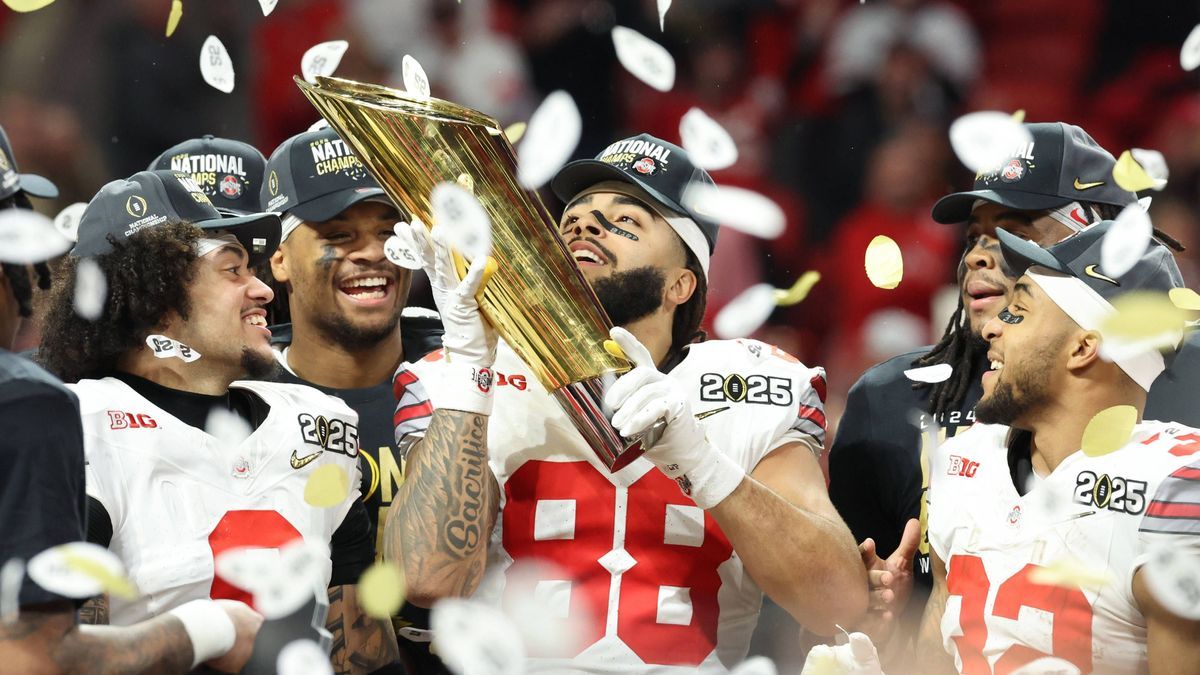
[
  {"x": 209, "y": 628},
  {"x": 465, "y": 387},
  {"x": 710, "y": 480}
]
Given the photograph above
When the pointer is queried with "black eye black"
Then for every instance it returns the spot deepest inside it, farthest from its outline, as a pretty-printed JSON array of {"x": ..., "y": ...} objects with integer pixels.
[{"x": 1008, "y": 317}]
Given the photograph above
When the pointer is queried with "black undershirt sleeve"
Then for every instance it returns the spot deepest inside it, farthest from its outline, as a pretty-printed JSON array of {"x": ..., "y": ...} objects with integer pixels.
[
  {"x": 99, "y": 524},
  {"x": 853, "y": 487},
  {"x": 352, "y": 546}
]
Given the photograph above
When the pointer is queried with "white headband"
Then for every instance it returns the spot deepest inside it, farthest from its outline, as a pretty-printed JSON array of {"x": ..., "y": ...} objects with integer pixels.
[
  {"x": 206, "y": 245},
  {"x": 687, "y": 229},
  {"x": 1089, "y": 309}
]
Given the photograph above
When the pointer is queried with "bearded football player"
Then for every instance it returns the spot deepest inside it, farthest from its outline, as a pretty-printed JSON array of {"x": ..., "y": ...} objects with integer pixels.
[{"x": 500, "y": 479}]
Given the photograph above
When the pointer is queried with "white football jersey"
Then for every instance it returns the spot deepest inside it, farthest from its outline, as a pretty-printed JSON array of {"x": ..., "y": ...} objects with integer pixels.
[
  {"x": 178, "y": 497},
  {"x": 1101, "y": 514},
  {"x": 650, "y": 573}
]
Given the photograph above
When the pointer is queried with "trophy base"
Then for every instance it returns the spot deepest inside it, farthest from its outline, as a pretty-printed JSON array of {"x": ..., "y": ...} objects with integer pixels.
[{"x": 582, "y": 402}]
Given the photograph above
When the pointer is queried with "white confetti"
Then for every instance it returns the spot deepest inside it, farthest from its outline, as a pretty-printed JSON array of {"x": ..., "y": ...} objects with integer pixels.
[
  {"x": 931, "y": 374},
  {"x": 745, "y": 313},
  {"x": 281, "y": 580},
  {"x": 401, "y": 253},
  {"x": 737, "y": 208},
  {"x": 67, "y": 220},
  {"x": 215, "y": 65},
  {"x": 1155, "y": 166},
  {"x": 1126, "y": 241},
  {"x": 461, "y": 219},
  {"x": 476, "y": 639},
  {"x": 53, "y": 570},
  {"x": 303, "y": 657},
  {"x": 416, "y": 82},
  {"x": 319, "y": 125},
  {"x": 709, "y": 146},
  {"x": 663, "y": 6},
  {"x": 983, "y": 140},
  {"x": 1189, "y": 55},
  {"x": 28, "y": 237},
  {"x": 12, "y": 574},
  {"x": 550, "y": 626},
  {"x": 644, "y": 58},
  {"x": 91, "y": 289},
  {"x": 267, "y": 6},
  {"x": 755, "y": 665},
  {"x": 227, "y": 427},
  {"x": 1145, "y": 202},
  {"x": 322, "y": 59},
  {"x": 166, "y": 348},
  {"x": 549, "y": 140},
  {"x": 1173, "y": 577}
]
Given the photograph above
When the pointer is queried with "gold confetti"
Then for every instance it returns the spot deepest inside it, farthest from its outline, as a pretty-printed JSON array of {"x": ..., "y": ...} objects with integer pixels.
[
  {"x": 1185, "y": 299},
  {"x": 799, "y": 290},
  {"x": 1143, "y": 315},
  {"x": 113, "y": 584},
  {"x": 613, "y": 348},
  {"x": 26, "y": 5},
  {"x": 1019, "y": 116},
  {"x": 381, "y": 590},
  {"x": 327, "y": 486},
  {"x": 1070, "y": 573},
  {"x": 174, "y": 17},
  {"x": 515, "y": 131},
  {"x": 1109, "y": 430},
  {"x": 1130, "y": 175},
  {"x": 884, "y": 263}
]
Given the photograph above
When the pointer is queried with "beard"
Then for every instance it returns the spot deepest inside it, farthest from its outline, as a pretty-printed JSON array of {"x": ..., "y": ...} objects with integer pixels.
[
  {"x": 1027, "y": 388},
  {"x": 256, "y": 366},
  {"x": 632, "y": 295},
  {"x": 353, "y": 337}
]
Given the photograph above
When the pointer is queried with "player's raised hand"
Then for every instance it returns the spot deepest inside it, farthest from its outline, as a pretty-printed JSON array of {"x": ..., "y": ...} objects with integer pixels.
[
  {"x": 891, "y": 582},
  {"x": 246, "y": 623}
]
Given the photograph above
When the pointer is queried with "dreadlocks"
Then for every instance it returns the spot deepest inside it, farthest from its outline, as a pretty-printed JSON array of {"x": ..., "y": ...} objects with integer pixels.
[{"x": 22, "y": 285}]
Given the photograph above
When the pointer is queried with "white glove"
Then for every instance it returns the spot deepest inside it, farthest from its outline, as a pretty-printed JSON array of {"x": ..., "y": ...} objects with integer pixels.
[
  {"x": 642, "y": 397},
  {"x": 856, "y": 657},
  {"x": 469, "y": 341}
]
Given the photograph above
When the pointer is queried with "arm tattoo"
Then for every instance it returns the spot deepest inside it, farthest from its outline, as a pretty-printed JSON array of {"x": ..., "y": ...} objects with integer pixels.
[
  {"x": 50, "y": 641},
  {"x": 95, "y": 611},
  {"x": 366, "y": 645},
  {"x": 444, "y": 511}
]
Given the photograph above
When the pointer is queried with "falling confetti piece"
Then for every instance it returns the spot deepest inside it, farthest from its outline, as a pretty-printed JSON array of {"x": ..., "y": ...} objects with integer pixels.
[
  {"x": 514, "y": 132},
  {"x": 174, "y": 17},
  {"x": 984, "y": 140},
  {"x": 644, "y": 58},
  {"x": 1019, "y": 116},
  {"x": 1155, "y": 166},
  {"x": 26, "y": 5},
  {"x": 319, "y": 125},
  {"x": 303, "y": 657},
  {"x": 884, "y": 262},
  {"x": 1048, "y": 665},
  {"x": 166, "y": 348},
  {"x": 67, "y": 220},
  {"x": 550, "y": 140},
  {"x": 267, "y": 6},
  {"x": 322, "y": 59},
  {"x": 1189, "y": 55},
  {"x": 1144, "y": 202},
  {"x": 215, "y": 65},
  {"x": 1185, "y": 299},
  {"x": 460, "y": 218},
  {"x": 709, "y": 146},
  {"x": 416, "y": 82},
  {"x": 1126, "y": 241},
  {"x": 737, "y": 208},
  {"x": 28, "y": 237},
  {"x": 799, "y": 290},
  {"x": 755, "y": 665},
  {"x": 663, "y": 6},
  {"x": 539, "y": 605},
  {"x": 327, "y": 486},
  {"x": 401, "y": 252},
  {"x": 91, "y": 289},
  {"x": 476, "y": 639},
  {"x": 1131, "y": 176},
  {"x": 1071, "y": 573},
  {"x": 228, "y": 427},
  {"x": 281, "y": 580},
  {"x": 930, "y": 374},
  {"x": 1173, "y": 577},
  {"x": 746, "y": 312},
  {"x": 614, "y": 349},
  {"x": 78, "y": 570},
  {"x": 1109, "y": 430},
  {"x": 1143, "y": 321},
  {"x": 381, "y": 590},
  {"x": 12, "y": 574}
]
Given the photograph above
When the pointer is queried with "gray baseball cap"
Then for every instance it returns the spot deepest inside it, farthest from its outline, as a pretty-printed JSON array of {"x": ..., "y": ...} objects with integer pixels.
[
  {"x": 315, "y": 176},
  {"x": 230, "y": 172},
  {"x": 12, "y": 182}
]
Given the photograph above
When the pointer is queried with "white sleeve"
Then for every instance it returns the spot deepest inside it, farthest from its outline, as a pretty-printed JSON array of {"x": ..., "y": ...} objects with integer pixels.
[
  {"x": 413, "y": 407},
  {"x": 1171, "y": 520}
]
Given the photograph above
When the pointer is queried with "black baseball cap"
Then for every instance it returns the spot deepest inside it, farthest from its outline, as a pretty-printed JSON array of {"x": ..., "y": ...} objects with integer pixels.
[
  {"x": 151, "y": 198},
  {"x": 315, "y": 176},
  {"x": 12, "y": 182},
  {"x": 1062, "y": 164},
  {"x": 662, "y": 169},
  {"x": 230, "y": 172}
]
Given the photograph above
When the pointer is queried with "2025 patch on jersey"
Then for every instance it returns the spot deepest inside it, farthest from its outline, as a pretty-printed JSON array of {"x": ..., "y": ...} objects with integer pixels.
[
  {"x": 1106, "y": 514},
  {"x": 648, "y": 573},
  {"x": 178, "y": 497}
]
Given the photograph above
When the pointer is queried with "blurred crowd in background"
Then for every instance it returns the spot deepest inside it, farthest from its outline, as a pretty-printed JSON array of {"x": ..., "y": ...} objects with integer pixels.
[{"x": 840, "y": 110}]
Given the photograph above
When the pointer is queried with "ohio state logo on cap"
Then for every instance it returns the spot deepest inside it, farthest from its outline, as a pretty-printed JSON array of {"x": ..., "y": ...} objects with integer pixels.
[
  {"x": 1013, "y": 171},
  {"x": 231, "y": 187},
  {"x": 645, "y": 166}
]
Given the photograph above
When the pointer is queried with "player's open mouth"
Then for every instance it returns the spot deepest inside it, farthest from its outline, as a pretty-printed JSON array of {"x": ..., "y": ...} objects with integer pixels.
[
  {"x": 586, "y": 254},
  {"x": 256, "y": 317},
  {"x": 367, "y": 290},
  {"x": 995, "y": 364}
]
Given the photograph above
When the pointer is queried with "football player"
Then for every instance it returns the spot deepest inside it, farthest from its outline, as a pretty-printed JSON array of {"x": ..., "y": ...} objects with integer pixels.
[
  {"x": 666, "y": 560},
  {"x": 169, "y": 491},
  {"x": 1045, "y": 546}
]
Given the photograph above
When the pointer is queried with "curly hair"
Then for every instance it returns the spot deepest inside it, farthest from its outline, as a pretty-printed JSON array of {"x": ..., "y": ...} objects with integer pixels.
[{"x": 148, "y": 278}]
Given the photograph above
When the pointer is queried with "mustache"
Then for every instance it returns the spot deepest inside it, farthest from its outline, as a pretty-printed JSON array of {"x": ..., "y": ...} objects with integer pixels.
[{"x": 612, "y": 257}]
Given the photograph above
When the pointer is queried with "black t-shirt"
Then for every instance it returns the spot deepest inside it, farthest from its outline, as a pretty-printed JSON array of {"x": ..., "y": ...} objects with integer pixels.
[
  {"x": 42, "y": 497},
  {"x": 1173, "y": 396}
]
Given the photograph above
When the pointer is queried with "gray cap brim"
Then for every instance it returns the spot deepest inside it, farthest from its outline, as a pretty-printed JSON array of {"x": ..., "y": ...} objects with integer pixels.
[
  {"x": 38, "y": 186},
  {"x": 327, "y": 206},
  {"x": 258, "y": 233},
  {"x": 956, "y": 208},
  {"x": 1021, "y": 254}
]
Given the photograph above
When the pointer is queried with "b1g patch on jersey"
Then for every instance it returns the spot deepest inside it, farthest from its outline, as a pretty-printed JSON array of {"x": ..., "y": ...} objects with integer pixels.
[
  {"x": 761, "y": 389},
  {"x": 334, "y": 435},
  {"x": 1113, "y": 493}
]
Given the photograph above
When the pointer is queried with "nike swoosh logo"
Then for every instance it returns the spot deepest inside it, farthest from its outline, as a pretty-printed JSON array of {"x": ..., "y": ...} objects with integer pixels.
[
  {"x": 301, "y": 462},
  {"x": 1087, "y": 186},
  {"x": 1091, "y": 271},
  {"x": 710, "y": 413}
]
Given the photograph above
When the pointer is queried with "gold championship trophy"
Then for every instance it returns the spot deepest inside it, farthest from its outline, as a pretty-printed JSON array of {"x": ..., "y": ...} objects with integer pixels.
[{"x": 537, "y": 299}]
